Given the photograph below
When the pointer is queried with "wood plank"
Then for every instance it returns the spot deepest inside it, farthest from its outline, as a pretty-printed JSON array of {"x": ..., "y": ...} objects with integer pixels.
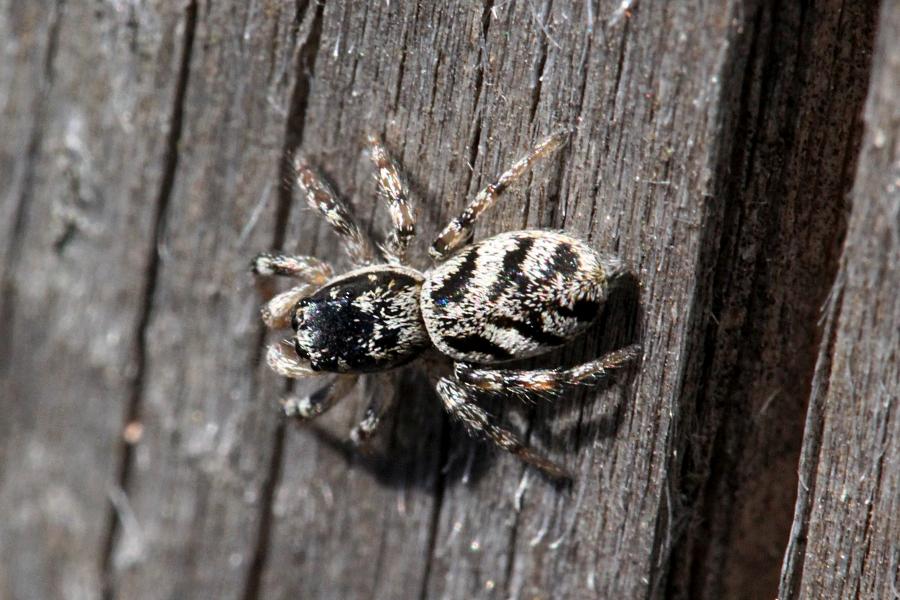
[
  {"x": 75, "y": 282},
  {"x": 196, "y": 482},
  {"x": 844, "y": 540},
  {"x": 158, "y": 174}
]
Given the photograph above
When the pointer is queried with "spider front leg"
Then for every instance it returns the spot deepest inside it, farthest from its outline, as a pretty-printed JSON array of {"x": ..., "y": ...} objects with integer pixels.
[
  {"x": 380, "y": 392},
  {"x": 459, "y": 401},
  {"x": 320, "y": 197},
  {"x": 395, "y": 194},
  {"x": 312, "y": 272},
  {"x": 276, "y": 313},
  {"x": 307, "y": 269},
  {"x": 544, "y": 382},
  {"x": 315, "y": 404},
  {"x": 282, "y": 359},
  {"x": 459, "y": 230}
]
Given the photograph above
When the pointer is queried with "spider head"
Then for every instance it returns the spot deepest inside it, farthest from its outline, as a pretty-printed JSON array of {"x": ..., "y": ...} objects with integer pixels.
[{"x": 367, "y": 320}]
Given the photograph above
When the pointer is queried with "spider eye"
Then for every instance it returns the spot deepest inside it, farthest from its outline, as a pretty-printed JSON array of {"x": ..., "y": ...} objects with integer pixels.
[{"x": 444, "y": 301}]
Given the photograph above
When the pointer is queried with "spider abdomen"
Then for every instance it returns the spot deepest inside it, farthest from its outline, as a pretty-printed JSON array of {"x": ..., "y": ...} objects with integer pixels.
[
  {"x": 367, "y": 320},
  {"x": 515, "y": 295}
]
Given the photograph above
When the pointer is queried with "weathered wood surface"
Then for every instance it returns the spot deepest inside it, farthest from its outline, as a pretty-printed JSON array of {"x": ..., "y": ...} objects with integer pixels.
[
  {"x": 846, "y": 537},
  {"x": 144, "y": 144}
]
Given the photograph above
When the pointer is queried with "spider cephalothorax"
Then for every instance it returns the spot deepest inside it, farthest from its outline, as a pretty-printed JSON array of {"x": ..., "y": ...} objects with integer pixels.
[{"x": 512, "y": 296}]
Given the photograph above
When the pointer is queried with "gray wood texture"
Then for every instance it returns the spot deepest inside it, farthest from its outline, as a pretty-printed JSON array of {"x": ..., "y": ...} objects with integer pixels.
[{"x": 142, "y": 151}]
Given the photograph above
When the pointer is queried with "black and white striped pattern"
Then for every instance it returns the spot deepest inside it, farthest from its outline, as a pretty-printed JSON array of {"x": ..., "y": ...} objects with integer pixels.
[
  {"x": 394, "y": 192},
  {"x": 514, "y": 295},
  {"x": 459, "y": 230},
  {"x": 320, "y": 197}
]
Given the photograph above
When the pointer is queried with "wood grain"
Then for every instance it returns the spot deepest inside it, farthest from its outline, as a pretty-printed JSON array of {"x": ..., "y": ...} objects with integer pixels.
[
  {"x": 844, "y": 542},
  {"x": 146, "y": 146},
  {"x": 75, "y": 278}
]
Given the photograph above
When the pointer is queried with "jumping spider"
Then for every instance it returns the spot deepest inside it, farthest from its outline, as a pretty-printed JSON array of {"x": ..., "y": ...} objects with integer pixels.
[{"x": 512, "y": 296}]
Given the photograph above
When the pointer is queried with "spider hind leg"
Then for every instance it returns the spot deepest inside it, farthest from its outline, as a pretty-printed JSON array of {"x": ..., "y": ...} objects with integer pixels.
[
  {"x": 546, "y": 383},
  {"x": 458, "y": 400},
  {"x": 459, "y": 231}
]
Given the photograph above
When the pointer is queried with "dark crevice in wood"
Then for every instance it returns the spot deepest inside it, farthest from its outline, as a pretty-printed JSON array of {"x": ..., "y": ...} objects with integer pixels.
[
  {"x": 475, "y": 144},
  {"x": 582, "y": 91},
  {"x": 20, "y": 213},
  {"x": 263, "y": 533},
  {"x": 782, "y": 75},
  {"x": 401, "y": 68},
  {"x": 726, "y": 247},
  {"x": 514, "y": 533},
  {"x": 620, "y": 67},
  {"x": 539, "y": 65},
  {"x": 295, "y": 125},
  {"x": 440, "y": 485},
  {"x": 167, "y": 182},
  {"x": 792, "y": 567}
]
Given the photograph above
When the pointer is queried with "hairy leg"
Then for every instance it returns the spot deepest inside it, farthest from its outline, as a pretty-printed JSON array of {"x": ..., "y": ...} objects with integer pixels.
[
  {"x": 276, "y": 313},
  {"x": 459, "y": 402},
  {"x": 395, "y": 194},
  {"x": 310, "y": 271},
  {"x": 544, "y": 382},
  {"x": 282, "y": 359},
  {"x": 380, "y": 389},
  {"x": 458, "y": 231},
  {"x": 320, "y": 197},
  {"x": 307, "y": 269},
  {"x": 313, "y": 405}
]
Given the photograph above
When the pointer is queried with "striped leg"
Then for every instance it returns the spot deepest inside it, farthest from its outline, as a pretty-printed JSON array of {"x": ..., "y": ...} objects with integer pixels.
[
  {"x": 282, "y": 359},
  {"x": 311, "y": 272},
  {"x": 458, "y": 231},
  {"x": 458, "y": 401},
  {"x": 395, "y": 194},
  {"x": 313, "y": 405},
  {"x": 547, "y": 383},
  {"x": 320, "y": 197},
  {"x": 307, "y": 269},
  {"x": 380, "y": 391}
]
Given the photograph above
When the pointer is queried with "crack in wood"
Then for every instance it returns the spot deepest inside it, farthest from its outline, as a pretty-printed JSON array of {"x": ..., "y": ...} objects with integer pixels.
[
  {"x": 167, "y": 182},
  {"x": 306, "y": 57}
]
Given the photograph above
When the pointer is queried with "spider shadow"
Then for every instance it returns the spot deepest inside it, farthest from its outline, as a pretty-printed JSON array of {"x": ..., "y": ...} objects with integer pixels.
[{"x": 418, "y": 446}]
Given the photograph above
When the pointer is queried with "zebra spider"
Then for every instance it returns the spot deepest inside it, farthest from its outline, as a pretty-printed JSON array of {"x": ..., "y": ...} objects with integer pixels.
[{"x": 512, "y": 296}]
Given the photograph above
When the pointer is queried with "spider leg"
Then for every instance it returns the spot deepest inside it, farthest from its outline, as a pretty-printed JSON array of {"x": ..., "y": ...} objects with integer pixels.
[
  {"x": 307, "y": 269},
  {"x": 276, "y": 313},
  {"x": 458, "y": 401},
  {"x": 544, "y": 382},
  {"x": 459, "y": 230},
  {"x": 320, "y": 197},
  {"x": 380, "y": 391},
  {"x": 282, "y": 359},
  {"x": 313, "y": 405},
  {"x": 310, "y": 271},
  {"x": 395, "y": 194}
]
